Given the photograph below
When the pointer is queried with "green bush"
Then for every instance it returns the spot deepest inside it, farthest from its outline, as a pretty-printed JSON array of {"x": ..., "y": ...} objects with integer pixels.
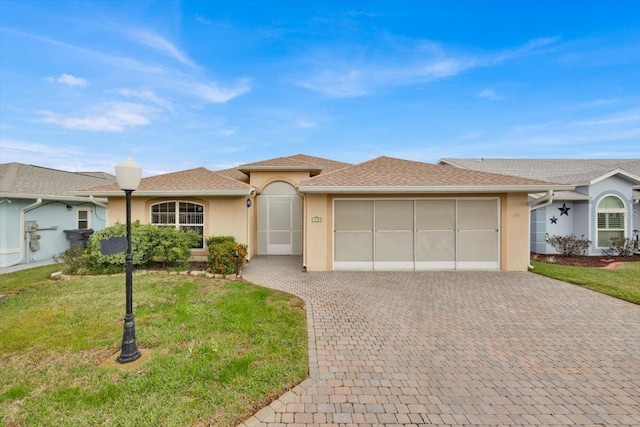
[
  {"x": 149, "y": 244},
  {"x": 172, "y": 246},
  {"x": 141, "y": 246},
  {"x": 226, "y": 256}
]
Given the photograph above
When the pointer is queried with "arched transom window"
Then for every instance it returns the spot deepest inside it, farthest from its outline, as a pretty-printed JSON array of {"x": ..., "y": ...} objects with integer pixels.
[
  {"x": 611, "y": 220},
  {"x": 183, "y": 215}
]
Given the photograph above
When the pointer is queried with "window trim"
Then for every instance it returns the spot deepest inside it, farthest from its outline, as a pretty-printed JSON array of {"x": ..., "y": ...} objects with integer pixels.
[
  {"x": 176, "y": 213},
  {"x": 88, "y": 220},
  {"x": 608, "y": 211}
]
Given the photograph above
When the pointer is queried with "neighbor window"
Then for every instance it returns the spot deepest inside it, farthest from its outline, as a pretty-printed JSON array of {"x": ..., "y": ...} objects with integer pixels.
[
  {"x": 611, "y": 220},
  {"x": 183, "y": 215},
  {"x": 83, "y": 219}
]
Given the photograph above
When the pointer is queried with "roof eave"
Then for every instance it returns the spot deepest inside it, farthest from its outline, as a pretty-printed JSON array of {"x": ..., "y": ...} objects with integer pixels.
[
  {"x": 431, "y": 189},
  {"x": 289, "y": 168},
  {"x": 168, "y": 193},
  {"x": 48, "y": 197}
]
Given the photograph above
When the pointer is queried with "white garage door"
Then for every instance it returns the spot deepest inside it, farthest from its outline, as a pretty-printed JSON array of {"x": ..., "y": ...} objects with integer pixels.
[{"x": 416, "y": 234}]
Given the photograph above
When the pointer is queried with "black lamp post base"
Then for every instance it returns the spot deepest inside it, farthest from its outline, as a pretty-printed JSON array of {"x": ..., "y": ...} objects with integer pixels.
[
  {"x": 126, "y": 358},
  {"x": 130, "y": 350}
]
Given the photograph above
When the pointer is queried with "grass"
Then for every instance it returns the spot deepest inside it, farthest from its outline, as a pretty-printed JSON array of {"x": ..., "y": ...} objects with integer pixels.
[
  {"x": 622, "y": 282},
  {"x": 219, "y": 350}
]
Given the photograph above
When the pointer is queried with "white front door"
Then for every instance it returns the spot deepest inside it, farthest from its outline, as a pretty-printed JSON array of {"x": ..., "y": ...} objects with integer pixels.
[{"x": 279, "y": 220}]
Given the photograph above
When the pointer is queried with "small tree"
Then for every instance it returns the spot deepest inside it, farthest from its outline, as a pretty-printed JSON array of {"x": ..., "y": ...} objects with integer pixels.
[{"x": 568, "y": 245}]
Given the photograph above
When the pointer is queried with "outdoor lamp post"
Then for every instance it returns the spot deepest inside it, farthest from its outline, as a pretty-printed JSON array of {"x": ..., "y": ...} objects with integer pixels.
[{"x": 128, "y": 174}]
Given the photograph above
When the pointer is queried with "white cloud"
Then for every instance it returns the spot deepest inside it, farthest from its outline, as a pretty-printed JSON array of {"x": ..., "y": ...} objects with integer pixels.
[
  {"x": 219, "y": 95},
  {"x": 399, "y": 64},
  {"x": 202, "y": 19},
  {"x": 489, "y": 94},
  {"x": 146, "y": 95},
  {"x": 107, "y": 117},
  {"x": 67, "y": 79},
  {"x": 56, "y": 156},
  {"x": 161, "y": 44}
]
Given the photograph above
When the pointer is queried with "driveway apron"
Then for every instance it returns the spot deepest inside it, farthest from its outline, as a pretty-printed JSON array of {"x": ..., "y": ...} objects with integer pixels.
[{"x": 456, "y": 348}]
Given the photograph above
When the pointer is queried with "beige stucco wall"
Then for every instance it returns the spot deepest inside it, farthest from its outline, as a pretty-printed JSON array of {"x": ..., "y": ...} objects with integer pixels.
[
  {"x": 224, "y": 216},
  {"x": 261, "y": 179},
  {"x": 514, "y": 244},
  {"x": 317, "y": 232}
]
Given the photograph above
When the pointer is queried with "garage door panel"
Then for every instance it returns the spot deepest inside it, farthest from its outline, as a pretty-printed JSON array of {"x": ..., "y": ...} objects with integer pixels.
[
  {"x": 353, "y": 215},
  {"x": 436, "y": 245},
  {"x": 394, "y": 246},
  {"x": 394, "y": 214},
  {"x": 435, "y": 214},
  {"x": 353, "y": 246},
  {"x": 477, "y": 246},
  {"x": 477, "y": 215}
]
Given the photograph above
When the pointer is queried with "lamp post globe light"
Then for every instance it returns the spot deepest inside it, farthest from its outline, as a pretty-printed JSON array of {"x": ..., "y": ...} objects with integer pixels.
[{"x": 128, "y": 174}]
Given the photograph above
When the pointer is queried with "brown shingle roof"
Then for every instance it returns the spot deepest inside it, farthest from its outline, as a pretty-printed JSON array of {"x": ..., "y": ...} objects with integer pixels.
[
  {"x": 200, "y": 181},
  {"x": 235, "y": 173},
  {"x": 397, "y": 175},
  {"x": 328, "y": 165},
  {"x": 315, "y": 165}
]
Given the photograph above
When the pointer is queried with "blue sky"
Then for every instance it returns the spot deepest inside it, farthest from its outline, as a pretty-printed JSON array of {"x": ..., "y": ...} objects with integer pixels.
[{"x": 182, "y": 84}]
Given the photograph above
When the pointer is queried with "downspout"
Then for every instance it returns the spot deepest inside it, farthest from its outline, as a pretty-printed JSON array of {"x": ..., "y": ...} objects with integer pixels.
[
  {"x": 250, "y": 204},
  {"x": 102, "y": 205},
  {"x": 535, "y": 205},
  {"x": 305, "y": 226},
  {"x": 95, "y": 202},
  {"x": 23, "y": 239}
]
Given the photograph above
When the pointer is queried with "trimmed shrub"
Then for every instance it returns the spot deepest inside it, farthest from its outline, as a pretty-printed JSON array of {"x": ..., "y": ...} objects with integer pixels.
[
  {"x": 226, "y": 256},
  {"x": 141, "y": 248},
  {"x": 149, "y": 243},
  {"x": 622, "y": 246},
  {"x": 171, "y": 246},
  {"x": 568, "y": 245}
]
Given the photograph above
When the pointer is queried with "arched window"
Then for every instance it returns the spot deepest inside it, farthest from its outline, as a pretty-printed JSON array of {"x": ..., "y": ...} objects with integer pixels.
[
  {"x": 183, "y": 215},
  {"x": 611, "y": 220}
]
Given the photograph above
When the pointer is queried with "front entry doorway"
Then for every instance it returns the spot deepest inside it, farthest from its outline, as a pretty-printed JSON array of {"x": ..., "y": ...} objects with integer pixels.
[{"x": 279, "y": 220}]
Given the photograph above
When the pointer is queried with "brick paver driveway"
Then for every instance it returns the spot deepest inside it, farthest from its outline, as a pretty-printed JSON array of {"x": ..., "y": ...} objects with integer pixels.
[{"x": 457, "y": 348}]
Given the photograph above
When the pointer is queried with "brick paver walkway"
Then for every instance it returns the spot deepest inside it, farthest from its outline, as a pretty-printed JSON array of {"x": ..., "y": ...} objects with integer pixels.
[{"x": 456, "y": 348}]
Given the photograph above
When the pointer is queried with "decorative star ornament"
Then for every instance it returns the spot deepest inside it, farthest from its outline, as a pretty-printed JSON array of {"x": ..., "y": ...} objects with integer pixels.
[
  {"x": 564, "y": 210},
  {"x": 553, "y": 219}
]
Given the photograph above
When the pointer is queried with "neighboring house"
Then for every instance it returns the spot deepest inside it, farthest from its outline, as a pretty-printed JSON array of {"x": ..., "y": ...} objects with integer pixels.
[
  {"x": 383, "y": 214},
  {"x": 604, "y": 203},
  {"x": 37, "y": 206}
]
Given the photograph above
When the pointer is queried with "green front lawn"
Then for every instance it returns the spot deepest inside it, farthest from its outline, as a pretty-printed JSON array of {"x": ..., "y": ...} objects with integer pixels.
[
  {"x": 218, "y": 350},
  {"x": 621, "y": 282}
]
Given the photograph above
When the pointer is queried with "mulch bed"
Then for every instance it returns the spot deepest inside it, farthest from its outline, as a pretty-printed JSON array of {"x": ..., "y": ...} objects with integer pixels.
[{"x": 585, "y": 261}]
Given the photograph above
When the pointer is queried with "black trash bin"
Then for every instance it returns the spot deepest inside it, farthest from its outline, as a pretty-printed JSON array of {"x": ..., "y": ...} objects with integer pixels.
[{"x": 79, "y": 237}]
